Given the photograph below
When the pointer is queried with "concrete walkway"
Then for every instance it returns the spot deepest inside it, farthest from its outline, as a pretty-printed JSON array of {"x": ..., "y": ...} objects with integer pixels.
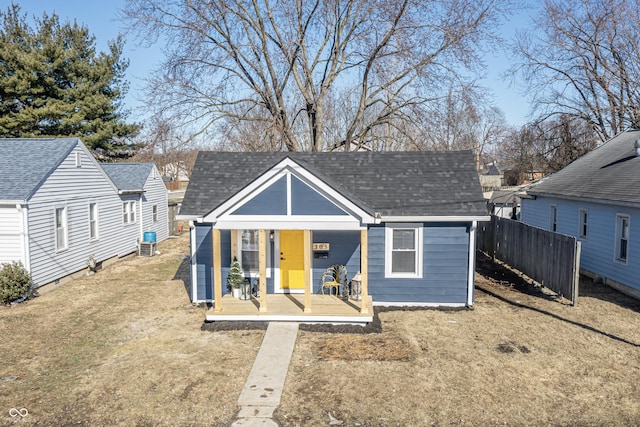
[{"x": 263, "y": 389}]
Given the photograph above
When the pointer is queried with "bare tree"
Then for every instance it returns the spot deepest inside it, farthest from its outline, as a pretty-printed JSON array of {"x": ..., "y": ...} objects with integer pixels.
[
  {"x": 285, "y": 65},
  {"x": 464, "y": 119},
  {"x": 580, "y": 62},
  {"x": 173, "y": 152},
  {"x": 540, "y": 148}
]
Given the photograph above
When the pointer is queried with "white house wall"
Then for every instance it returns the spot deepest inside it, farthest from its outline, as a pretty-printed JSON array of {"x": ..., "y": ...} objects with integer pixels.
[
  {"x": 74, "y": 188},
  {"x": 156, "y": 194},
  {"x": 12, "y": 248}
]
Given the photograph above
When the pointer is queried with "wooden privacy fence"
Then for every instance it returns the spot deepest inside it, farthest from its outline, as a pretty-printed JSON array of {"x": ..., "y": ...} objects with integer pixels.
[{"x": 549, "y": 258}]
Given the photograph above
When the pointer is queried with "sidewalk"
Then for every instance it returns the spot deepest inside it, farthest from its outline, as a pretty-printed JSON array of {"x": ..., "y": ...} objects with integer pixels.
[{"x": 263, "y": 389}]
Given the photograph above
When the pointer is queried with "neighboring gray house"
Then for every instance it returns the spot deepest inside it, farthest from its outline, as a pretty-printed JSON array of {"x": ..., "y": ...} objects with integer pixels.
[
  {"x": 416, "y": 213},
  {"x": 144, "y": 201},
  {"x": 58, "y": 207},
  {"x": 597, "y": 199}
]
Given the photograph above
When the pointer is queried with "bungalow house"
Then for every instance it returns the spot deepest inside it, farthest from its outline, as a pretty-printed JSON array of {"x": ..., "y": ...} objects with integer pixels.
[
  {"x": 143, "y": 195},
  {"x": 58, "y": 208},
  {"x": 597, "y": 199},
  {"x": 405, "y": 221}
]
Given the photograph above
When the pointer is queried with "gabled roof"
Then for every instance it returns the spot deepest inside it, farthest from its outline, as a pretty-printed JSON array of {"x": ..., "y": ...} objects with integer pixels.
[
  {"x": 25, "y": 163},
  {"x": 608, "y": 174},
  {"x": 128, "y": 177},
  {"x": 392, "y": 184}
]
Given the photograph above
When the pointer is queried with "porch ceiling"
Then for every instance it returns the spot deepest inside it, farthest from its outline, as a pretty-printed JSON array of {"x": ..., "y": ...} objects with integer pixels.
[{"x": 290, "y": 307}]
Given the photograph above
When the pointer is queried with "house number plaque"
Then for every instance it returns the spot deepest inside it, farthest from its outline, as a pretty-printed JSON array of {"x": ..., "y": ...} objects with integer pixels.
[{"x": 320, "y": 246}]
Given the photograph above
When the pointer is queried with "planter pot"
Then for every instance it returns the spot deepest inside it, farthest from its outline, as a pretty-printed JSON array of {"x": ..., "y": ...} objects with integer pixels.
[{"x": 236, "y": 292}]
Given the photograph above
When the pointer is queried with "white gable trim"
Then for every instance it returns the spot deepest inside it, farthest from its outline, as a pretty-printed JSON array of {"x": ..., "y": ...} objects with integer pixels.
[{"x": 222, "y": 217}]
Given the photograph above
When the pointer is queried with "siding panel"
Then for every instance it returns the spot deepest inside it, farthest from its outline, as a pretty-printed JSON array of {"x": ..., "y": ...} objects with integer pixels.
[
  {"x": 10, "y": 235},
  {"x": 597, "y": 253},
  {"x": 74, "y": 188},
  {"x": 445, "y": 267}
]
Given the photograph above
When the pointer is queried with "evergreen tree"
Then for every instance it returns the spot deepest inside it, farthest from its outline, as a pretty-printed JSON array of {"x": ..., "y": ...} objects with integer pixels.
[
  {"x": 53, "y": 83},
  {"x": 236, "y": 277}
]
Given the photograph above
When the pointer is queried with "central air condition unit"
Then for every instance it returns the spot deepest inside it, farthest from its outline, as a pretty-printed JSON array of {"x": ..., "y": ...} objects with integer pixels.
[{"x": 147, "y": 249}]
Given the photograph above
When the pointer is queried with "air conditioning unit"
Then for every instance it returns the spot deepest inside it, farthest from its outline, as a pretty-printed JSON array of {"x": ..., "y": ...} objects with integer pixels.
[{"x": 147, "y": 248}]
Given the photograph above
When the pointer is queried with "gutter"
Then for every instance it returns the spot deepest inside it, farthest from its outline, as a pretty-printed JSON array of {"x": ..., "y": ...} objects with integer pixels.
[{"x": 447, "y": 218}]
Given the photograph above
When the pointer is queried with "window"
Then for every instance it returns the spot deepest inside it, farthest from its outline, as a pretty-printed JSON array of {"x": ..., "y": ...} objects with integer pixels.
[
  {"x": 129, "y": 212},
  {"x": 584, "y": 216},
  {"x": 61, "y": 228},
  {"x": 553, "y": 216},
  {"x": 249, "y": 250},
  {"x": 154, "y": 212},
  {"x": 403, "y": 250},
  {"x": 78, "y": 159},
  {"x": 93, "y": 221},
  {"x": 622, "y": 238}
]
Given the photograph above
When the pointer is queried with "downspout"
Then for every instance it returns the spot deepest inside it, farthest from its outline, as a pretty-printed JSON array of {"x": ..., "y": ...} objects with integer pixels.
[
  {"x": 192, "y": 260},
  {"x": 24, "y": 236},
  {"x": 141, "y": 220},
  {"x": 472, "y": 262}
]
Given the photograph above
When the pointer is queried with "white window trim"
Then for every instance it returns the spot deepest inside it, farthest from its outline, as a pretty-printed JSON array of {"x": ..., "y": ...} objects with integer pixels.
[
  {"x": 553, "y": 218},
  {"x": 130, "y": 211},
  {"x": 97, "y": 221},
  {"x": 65, "y": 228},
  {"x": 618, "y": 237},
  {"x": 388, "y": 250},
  {"x": 581, "y": 224},
  {"x": 253, "y": 274},
  {"x": 154, "y": 213},
  {"x": 78, "y": 159}
]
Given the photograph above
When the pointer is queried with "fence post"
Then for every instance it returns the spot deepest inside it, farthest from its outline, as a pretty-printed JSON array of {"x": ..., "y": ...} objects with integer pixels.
[{"x": 576, "y": 273}]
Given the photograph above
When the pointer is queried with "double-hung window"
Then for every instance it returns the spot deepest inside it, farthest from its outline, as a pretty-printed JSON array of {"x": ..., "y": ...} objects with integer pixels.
[
  {"x": 622, "y": 238},
  {"x": 61, "y": 228},
  {"x": 155, "y": 212},
  {"x": 584, "y": 217},
  {"x": 129, "y": 212},
  {"x": 93, "y": 221},
  {"x": 249, "y": 250},
  {"x": 403, "y": 250}
]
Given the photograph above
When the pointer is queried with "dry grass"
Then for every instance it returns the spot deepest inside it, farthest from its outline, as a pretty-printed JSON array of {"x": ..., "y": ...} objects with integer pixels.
[
  {"x": 123, "y": 347},
  {"x": 516, "y": 359}
]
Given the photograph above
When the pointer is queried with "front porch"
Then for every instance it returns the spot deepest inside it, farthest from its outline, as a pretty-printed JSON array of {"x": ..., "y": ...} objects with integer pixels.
[{"x": 291, "y": 307}]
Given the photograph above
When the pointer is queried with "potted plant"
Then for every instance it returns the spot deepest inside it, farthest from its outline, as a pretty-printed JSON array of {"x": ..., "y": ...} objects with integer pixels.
[{"x": 235, "y": 278}]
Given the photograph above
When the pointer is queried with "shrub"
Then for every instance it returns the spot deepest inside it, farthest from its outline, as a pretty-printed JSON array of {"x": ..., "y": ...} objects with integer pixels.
[{"x": 15, "y": 281}]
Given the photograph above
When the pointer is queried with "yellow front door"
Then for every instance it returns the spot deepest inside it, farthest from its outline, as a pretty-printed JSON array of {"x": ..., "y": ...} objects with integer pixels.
[{"x": 291, "y": 259}]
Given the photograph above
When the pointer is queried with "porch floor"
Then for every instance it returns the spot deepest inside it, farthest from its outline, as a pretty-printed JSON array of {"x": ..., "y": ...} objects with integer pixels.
[{"x": 290, "y": 307}]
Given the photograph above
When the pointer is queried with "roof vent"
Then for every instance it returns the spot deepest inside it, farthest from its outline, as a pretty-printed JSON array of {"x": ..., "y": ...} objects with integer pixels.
[{"x": 637, "y": 147}]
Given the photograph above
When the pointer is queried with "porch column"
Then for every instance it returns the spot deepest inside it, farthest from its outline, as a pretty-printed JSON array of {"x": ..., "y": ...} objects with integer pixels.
[
  {"x": 307, "y": 271},
  {"x": 262, "y": 266},
  {"x": 364, "y": 272},
  {"x": 234, "y": 243},
  {"x": 217, "y": 269}
]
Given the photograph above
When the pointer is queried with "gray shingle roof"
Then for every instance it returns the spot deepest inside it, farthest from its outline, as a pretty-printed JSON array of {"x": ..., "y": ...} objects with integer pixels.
[
  {"x": 610, "y": 174},
  {"x": 391, "y": 183},
  {"x": 128, "y": 176},
  {"x": 25, "y": 163}
]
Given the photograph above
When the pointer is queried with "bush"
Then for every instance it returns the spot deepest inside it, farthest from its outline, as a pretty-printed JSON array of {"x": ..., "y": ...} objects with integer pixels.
[{"x": 15, "y": 281}]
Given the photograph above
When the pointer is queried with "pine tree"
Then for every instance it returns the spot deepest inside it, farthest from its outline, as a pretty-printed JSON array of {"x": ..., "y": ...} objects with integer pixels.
[
  {"x": 235, "y": 278},
  {"x": 53, "y": 83}
]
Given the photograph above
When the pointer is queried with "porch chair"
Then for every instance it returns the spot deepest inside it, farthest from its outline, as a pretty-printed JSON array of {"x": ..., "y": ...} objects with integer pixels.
[{"x": 333, "y": 277}]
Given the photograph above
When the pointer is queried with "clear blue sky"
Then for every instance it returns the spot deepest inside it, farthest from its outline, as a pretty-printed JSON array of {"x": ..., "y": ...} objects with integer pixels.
[{"x": 100, "y": 16}]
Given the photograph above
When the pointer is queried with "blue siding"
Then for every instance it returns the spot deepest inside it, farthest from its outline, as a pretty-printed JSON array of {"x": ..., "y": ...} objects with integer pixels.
[
  {"x": 344, "y": 250},
  {"x": 598, "y": 248},
  {"x": 445, "y": 267},
  {"x": 204, "y": 261},
  {"x": 306, "y": 201},
  {"x": 271, "y": 201}
]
